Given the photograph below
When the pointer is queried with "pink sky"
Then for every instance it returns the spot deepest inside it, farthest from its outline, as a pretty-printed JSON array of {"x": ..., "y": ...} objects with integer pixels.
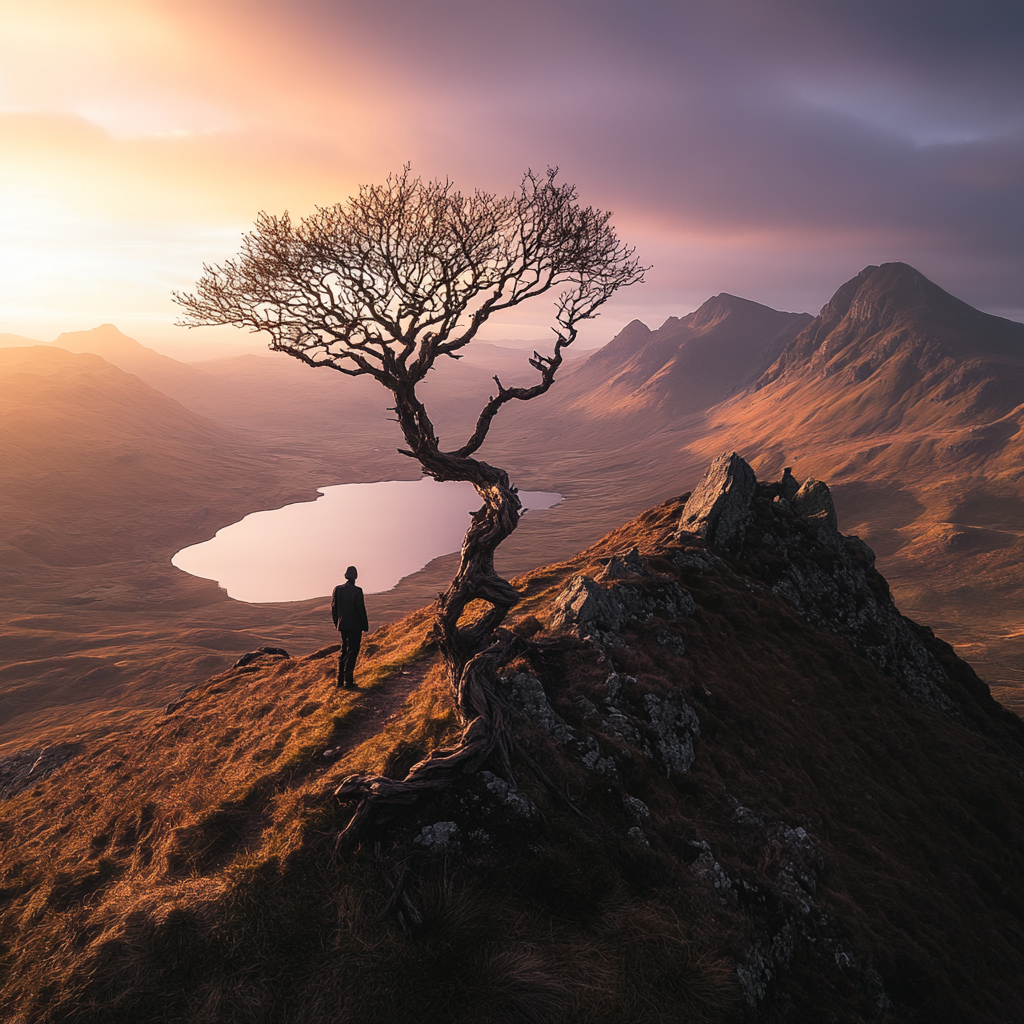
[{"x": 770, "y": 151}]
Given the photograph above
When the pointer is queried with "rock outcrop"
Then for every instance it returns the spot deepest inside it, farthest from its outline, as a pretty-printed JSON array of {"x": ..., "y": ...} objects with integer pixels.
[
  {"x": 719, "y": 509},
  {"x": 795, "y": 548},
  {"x": 625, "y": 589}
]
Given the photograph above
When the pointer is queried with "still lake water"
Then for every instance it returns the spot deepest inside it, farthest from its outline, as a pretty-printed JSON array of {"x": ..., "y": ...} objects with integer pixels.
[{"x": 388, "y": 530}]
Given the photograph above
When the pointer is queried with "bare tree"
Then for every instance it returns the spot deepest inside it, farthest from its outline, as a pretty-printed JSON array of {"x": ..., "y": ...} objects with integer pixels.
[{"x": 385, "y": 284}]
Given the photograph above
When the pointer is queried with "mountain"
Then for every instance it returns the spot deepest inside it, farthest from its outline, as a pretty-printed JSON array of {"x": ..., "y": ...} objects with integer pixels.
[
  {"x": 899, "y": 353},
  {"x": 341, "y": 420},
  {"x": 912, "y": 403},
  {"x": 169, "y": 376},
  {"x": 686, "y": 365},
  {"x": 744, "y": 787},
  {"x": 86, "y": 444},
  {"x": 923, "y": 453}
]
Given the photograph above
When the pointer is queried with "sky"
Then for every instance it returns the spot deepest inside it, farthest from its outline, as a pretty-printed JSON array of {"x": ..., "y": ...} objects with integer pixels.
[{"x": 766, "y": 149}]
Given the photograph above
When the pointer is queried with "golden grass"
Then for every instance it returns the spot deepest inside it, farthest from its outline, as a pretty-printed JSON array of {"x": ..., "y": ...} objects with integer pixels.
[{"x": 187, "y": 872}]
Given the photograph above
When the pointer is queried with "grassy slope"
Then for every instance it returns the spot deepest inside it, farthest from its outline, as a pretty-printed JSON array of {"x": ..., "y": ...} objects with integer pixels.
[{"x": 186, "y": 871}]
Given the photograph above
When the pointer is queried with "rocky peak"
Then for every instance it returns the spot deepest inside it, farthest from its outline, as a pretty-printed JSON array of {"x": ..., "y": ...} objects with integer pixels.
[
  {"x": 891, "y": 311},
  {"x": 720, "y": 307},
  {"x": 625, "y": 344},
  {"x": 793, "y": 545},
  {"x": 887, "y": 297}
]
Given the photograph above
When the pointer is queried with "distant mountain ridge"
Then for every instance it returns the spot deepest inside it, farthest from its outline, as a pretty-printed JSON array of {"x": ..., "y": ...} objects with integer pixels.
[{"x": 687, "y": 364}]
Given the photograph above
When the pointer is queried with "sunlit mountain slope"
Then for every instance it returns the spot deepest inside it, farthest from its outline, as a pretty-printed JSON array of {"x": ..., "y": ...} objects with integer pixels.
[
  {"x": 688, "y": 364},
  {"x": 912, "y": 403}
]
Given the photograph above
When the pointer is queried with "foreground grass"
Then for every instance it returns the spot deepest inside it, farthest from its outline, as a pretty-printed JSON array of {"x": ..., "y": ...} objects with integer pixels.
[{"x": 188, "y": 872}]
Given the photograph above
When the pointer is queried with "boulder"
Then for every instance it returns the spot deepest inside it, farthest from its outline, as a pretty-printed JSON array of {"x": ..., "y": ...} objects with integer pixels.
[
  {"x": 586, "y": 604},
  {"x": 814, "y": 502},
  {"x": 719, "y": 509}
]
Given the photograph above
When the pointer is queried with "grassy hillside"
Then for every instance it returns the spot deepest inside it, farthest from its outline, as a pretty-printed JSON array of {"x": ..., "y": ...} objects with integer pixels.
[{"x": 720, "y": 816}]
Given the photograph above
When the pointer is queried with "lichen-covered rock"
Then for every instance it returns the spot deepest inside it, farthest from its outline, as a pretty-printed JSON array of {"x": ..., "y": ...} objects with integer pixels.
[
  {"x": 527, "y": 696},
  {"x": 589, "y": 607},
  {"x": 673, "y": 641},
  {"x": 638, "y": 835},
  {"x": 635, "y": 808},
  {"x": 624, "y": 565},
  {"x": 589, "y": 752},
  {"x": 508, "y": 796},
  {"x": 441, "y": 836},
  {"x": 584, "y": 603},
  {"x": 719, "y": 509},
  {"x": 841, "y": 593}
]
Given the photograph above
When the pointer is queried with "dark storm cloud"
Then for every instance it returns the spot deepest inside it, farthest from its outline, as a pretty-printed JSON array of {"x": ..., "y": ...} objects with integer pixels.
[{"x": 900, "y": 121}]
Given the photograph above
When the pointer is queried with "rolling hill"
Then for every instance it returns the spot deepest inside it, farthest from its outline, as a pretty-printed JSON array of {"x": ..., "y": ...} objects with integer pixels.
[{"x": 745, "y": 788}]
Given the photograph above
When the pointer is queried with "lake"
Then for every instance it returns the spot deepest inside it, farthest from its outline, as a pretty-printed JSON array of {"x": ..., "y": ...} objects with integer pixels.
[{"x": 387, "y": 530}]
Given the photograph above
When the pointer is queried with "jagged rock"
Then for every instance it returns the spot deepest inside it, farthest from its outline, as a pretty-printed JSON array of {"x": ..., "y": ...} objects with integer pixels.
[
  {"x": 590, "y": 754},
  {"x": 514, "y": 799},
  {"x": 636, "y": 809},
  {"x": 761, "y": 966},
  {"x": 584, "y": 603},
  {"x": 696, "y": 558},
  {"x": 719, "y": 509},
  {"x": 613, "y": 686},
  {"x": 625, "y": 565},
  {"x": 587, "y": 606},
  {"x": 799, "y": 860},
  {"x": 673, "y": 641},
  {"x": 676, "y": 725},
  {"x": 528, "y": 697},
  {"x": 814, "y": 502},
  {"x": 706, "y": 868},
  {"x": 638, "y": 835},
  {"x": 859, "y": 549},
  {"x": 619, "y": 725},
  {"x": 845, "y": 596}
]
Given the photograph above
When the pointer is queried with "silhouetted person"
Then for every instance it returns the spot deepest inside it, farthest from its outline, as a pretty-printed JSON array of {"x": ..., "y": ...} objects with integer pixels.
[{"x": 349, "y": 614}]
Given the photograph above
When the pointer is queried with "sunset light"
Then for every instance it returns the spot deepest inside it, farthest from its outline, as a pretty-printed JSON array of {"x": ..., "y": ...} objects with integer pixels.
[
  {"x": 139, "y": 139},
  {"x": 511, "y": 512}
]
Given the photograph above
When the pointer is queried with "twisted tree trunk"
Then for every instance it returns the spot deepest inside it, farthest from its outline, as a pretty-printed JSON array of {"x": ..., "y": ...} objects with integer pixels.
[{"x": 473, "y": 652}]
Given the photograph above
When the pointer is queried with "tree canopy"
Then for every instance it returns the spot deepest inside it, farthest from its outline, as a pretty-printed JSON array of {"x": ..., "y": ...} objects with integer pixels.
[{"x": 409, "y": 270}]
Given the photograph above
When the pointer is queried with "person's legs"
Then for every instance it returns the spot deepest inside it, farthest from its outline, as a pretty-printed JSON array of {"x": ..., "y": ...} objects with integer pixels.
[{"x": 350, "y": 641}]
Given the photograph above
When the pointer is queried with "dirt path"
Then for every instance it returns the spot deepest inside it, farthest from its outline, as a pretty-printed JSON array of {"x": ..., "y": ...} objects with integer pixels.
[{"x": 374, "y": 708}]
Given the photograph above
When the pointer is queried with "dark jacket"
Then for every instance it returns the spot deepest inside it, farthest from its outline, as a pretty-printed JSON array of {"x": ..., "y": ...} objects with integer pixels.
[{"x": 348, "y": 609}]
